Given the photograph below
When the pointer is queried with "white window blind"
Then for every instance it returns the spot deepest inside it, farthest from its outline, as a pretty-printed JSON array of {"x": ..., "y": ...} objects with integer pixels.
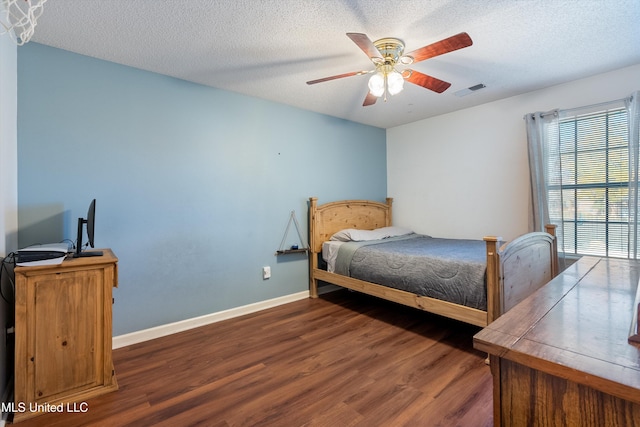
[{"x": 588, "y": 187}]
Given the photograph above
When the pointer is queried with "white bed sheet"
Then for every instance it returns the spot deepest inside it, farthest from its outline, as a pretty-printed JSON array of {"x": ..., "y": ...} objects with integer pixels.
[{"x": 330, "y": 253}]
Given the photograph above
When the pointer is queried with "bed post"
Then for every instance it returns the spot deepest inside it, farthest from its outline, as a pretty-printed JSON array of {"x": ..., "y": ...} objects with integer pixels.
[
  {"x": 313, "y": 282},
  {"x": 551, "y": 229},
  {"x": 390, "y": 211},
  {"x": 493, "y": 278}
]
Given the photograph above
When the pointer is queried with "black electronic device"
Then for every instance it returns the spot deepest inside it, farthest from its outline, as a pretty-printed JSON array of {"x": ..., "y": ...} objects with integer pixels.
[
  {"x": 91, "y": 223},
  {"x": 31, "y": 256},
  {"x": 51, "y": 253}
]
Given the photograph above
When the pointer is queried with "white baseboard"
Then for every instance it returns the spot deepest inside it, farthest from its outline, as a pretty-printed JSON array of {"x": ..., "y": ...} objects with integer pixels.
[{"x": 184, "y": 325}]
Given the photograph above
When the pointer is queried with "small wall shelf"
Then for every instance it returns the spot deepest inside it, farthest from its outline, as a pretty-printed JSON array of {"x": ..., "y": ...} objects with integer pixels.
[
  {"x": 295, "y": 249},
  {"x": 292, "y": 251}
]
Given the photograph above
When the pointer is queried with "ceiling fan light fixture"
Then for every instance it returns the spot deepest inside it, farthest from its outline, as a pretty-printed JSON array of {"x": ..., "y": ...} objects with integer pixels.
[
  {"x": 395, "y": 82},
  {"x": 388, "y": 52},
  {"x": 376, "y": 84},
  {"x": 381, "y": 82}
]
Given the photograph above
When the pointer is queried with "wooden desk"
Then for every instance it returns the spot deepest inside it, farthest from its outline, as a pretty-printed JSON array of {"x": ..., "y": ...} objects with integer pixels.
[
  {"x": 561, "y": 357},
  {"x": 63, "y": 333}
]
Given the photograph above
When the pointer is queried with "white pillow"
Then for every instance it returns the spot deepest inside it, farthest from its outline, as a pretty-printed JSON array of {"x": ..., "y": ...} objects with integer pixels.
[
  {"x": 355, "y": 235},
  {"x": 342, "y": 235}
]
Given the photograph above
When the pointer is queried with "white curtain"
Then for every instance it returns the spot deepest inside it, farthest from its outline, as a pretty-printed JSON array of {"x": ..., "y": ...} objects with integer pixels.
[
  {"x": 632, "y": 104},
  {"x": 542, "y": 134}
]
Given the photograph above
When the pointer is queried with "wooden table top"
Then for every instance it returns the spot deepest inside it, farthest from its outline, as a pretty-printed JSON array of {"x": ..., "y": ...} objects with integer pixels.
[{"x": 576, "y": 327}]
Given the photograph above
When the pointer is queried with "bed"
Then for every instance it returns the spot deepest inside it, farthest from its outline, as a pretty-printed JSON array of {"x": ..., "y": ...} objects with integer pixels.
[{"x": 509, "y": 271}]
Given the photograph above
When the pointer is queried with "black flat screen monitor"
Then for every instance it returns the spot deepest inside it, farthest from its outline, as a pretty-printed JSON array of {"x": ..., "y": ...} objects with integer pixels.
[{"x": 91, "y": 224}]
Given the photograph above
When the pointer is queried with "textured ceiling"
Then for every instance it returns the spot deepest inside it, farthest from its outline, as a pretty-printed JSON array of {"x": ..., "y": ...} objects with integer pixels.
[{"x": 270, "y": 48}]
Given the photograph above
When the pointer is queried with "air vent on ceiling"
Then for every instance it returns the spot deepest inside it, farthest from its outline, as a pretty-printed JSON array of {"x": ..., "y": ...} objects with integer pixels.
[{"x": 468, "y": 90}]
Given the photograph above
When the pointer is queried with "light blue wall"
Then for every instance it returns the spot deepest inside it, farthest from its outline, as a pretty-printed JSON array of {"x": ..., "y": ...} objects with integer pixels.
[{"x": 194, "y": 185}]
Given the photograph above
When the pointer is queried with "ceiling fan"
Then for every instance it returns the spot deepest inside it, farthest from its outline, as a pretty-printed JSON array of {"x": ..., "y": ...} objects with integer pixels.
[{"x": 388, "y": 52}]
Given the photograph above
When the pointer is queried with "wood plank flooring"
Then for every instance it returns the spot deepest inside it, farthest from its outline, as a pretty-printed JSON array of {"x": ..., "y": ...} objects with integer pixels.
[{"x": 344, "y": 359}]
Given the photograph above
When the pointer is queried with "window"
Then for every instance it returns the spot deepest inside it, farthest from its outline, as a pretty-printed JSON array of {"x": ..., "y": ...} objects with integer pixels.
[
  {"x": 583, "y": 165},
  {"x": 588, "y": 196}
]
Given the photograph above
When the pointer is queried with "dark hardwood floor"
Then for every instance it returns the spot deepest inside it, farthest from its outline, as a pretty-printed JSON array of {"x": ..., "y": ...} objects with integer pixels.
[{"x": 344, "y": 359}]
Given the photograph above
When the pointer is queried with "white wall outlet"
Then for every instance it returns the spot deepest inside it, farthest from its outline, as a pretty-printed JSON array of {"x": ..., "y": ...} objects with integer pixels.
[{"x": 266, "y": 273}]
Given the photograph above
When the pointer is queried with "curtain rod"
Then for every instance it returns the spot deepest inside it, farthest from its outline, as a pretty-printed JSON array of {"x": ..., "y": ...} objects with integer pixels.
[
  {"x": 546, "y": 113},
  {"x": 599, "y": 104}
]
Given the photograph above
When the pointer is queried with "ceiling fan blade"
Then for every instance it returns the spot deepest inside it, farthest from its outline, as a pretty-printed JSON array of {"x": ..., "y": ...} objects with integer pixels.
[
  {"x": 447, "y": 45},
  {"x": 369, "y": 100},
  {"x": 427, "y": 82},
  {"x": 365, "y": 44},
  {"x": 339, "y": 76}
]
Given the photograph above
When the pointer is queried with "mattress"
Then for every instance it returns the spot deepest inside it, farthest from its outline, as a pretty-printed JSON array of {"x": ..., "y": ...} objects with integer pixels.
[{"x": 452, "y": 270}]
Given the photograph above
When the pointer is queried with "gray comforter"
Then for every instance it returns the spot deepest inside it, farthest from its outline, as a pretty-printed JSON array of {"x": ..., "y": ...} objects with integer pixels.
[{"x": 447, "y": 269}]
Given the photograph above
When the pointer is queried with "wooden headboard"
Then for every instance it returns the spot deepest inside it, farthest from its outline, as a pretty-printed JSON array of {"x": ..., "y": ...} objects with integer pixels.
[{"x": 325, "y": 220}]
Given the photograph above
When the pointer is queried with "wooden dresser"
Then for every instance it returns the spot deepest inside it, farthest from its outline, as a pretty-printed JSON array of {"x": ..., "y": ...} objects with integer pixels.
[
  {"x": 63, "y": 334},
  {"x": 562, "y": 356}
]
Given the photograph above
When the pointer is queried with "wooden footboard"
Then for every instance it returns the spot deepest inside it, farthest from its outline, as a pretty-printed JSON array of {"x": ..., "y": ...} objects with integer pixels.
[
  {"x": 514, "y": 270},
  {"x": 518, "y": 268}
]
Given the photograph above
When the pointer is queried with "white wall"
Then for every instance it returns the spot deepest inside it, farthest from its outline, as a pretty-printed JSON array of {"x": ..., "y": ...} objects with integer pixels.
[{"x": 465, "y": 174}]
